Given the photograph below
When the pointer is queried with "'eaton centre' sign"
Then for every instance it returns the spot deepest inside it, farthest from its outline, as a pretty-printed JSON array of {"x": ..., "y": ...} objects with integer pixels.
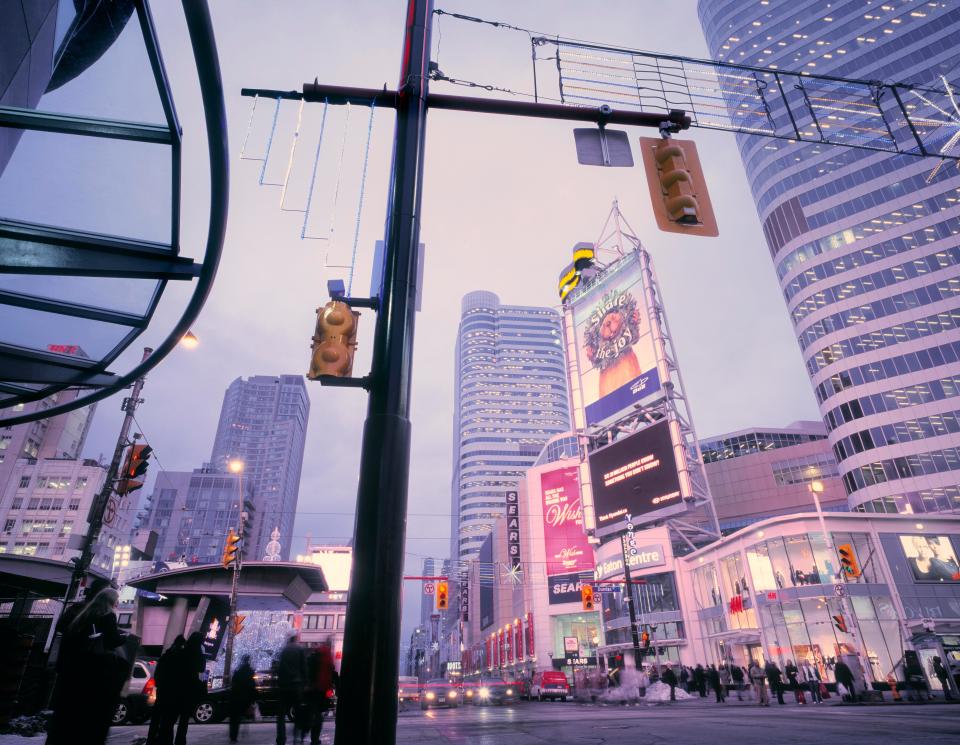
[{"x": 645, "y": 558}]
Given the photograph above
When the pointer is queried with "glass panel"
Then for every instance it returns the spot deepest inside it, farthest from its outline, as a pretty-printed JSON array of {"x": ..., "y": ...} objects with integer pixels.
[
  {"x": 781, "y": 566},
  {"x": 78, "y": 337},
  {"x": 801, "y": 560},
  {"x": 113, "y": 293},
  {"x": 761, "y": 570},
  {"x": 824, "y": 558}
]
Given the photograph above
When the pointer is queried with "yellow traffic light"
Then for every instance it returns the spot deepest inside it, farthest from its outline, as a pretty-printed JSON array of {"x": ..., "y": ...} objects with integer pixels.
[
  {"x": 334, "y": 341},
  {"x": 134, "y": 466},
  {"x": 848, "y": 560},
  {"x": 586, "y": 596},
  {"x": 238, "y": 623},
  {"x": 645, "y": 640},
  {"x": 230, "y": 548},
  {"x": 443, "y": 596},
  {"x": 841, "y": 623},
  {"x": 681, "y": 202}
]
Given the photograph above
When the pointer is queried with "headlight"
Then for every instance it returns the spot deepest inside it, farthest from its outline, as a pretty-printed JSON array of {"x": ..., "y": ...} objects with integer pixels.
[
  {"x": 430, "y": 696},
  {"x": 469, "y": 694},
  {"x": 509, "y": 691},
  {"x": 453, "y": 694},
  {"x": 484, "y": 692}
]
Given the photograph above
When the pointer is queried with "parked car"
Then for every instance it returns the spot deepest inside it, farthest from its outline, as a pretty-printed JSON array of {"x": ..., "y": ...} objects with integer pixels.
[
  {"x": 439, "y": 692},
  {"x": 496, "y": 691},
  {"x": 550, "y": 684},
  {"x": 215, "y": 706},
  {"x": 138, "y": 695},
  {"x": 408, "y": 690}
]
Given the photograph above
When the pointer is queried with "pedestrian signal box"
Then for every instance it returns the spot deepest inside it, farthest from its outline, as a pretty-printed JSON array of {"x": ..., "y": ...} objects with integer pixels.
[
  {"x": 238, "y": 623},
  {"x": 841, "y": 623},
  {"x": 586, "y": 596},
  {"x": 678, "y": 189},
  {"x": 848, "y": 560},
  {"x": 230, "y": 548},
  {"x": 134, "y": 467},
  {"x": 334, "y": 341},
  {"x": 443, "y": 596}
]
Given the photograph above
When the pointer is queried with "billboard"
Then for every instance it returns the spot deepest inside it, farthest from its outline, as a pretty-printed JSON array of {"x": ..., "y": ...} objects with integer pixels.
[
  {"x": 565, "y": 543},
  {"x": 616, "y": 356},
  {"x": 636, "y": 475},
  {"x": 932, "y": 558},
  {"x": 485, "y": 590},
  {"x": 513, "y": 528}
]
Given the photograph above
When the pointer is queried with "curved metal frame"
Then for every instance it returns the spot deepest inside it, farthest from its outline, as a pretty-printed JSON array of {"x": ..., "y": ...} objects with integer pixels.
[{"x": 203, "y": 42}]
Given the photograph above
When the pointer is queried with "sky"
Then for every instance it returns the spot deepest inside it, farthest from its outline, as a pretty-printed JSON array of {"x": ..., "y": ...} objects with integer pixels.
[{"x": 504, "y": 201}]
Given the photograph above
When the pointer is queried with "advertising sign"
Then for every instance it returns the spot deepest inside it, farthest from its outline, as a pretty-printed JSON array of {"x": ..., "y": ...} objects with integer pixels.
[
  {"x": 932, "y": 558},
  {"x": 564, "y": 588},
  {"x": 214, "y": 626},
  {"x": 566, "y": 546},
  {"x": 647, "y": 556},
  {"x": 464, "y": 597},
  {"x": 486, "y": 588},
  {"x": 615, "y": 351},
  {"x": 636, "y": 475},
  {"x": 513, "y": 529}
]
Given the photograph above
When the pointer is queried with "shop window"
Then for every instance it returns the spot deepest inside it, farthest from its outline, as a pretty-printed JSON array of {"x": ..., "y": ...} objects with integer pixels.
[
  {"x": 761, "y": 570},
  {"x": 782, "y": 571},
  {"x": 803, "y": 568}
]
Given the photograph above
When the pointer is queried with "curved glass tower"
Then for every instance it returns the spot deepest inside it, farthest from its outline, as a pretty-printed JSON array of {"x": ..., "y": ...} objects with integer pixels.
[
  {"x": 511, "y": 397},
  {"x": 866, "y": 246}
]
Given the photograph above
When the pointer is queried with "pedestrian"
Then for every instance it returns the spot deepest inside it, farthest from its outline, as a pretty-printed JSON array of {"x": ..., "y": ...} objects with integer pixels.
[
  {"x": 943, "y": 675},
  {"x": 759, "y": 680},
  {"x": 736, "y": 675},
  {"x": 321, "y": 681},
  {"x": 774, "y": 678},
  {"x": 844, "y": 676},
  {"x": 793, "y": 681},
  {"x": 685, "y": 678},
  {"x": 725, "y": 680},
  {"x": 189, "y": 685},
  {"x": 713, "y": 677},
  {"x": 700, "y": 680},
  {"x": 670, "y": 678},
  {"x": 165, "y": 707},
  {"x": 243, "y": 695},
  {"x": 291, "y": 679},
  {"x": 812, "y": 675},
  {"x": 643, "y": 681},
  {"x": 93, "y": 673}
]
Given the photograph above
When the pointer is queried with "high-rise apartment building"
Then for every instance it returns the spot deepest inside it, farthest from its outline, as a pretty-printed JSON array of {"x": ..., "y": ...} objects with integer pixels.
[
  {"x": 865, "y": 245},
  {"x": 511, "y": 397},
  {"x": 263, "y": 423}
]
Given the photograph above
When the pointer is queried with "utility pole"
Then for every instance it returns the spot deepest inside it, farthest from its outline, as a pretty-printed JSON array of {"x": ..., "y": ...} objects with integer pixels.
[
  {"x": 237, "y": 468},
  {"x": 99, "y": 505},
  {"x": 628, "y": 598}
]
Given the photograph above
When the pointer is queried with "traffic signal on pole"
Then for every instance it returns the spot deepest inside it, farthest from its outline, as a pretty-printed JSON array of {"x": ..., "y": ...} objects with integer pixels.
[
  {"x": 238, "y": 623},
  {"x": 841, "y": 623},
  {"x": 443, "y": 596},
  {"x": 678, "y": 189},
  {"x": 848, "y": 560},
  {"x": 334, "y": 341},
  {"x": 645, "y": 640},
  {"x": 230, "y": 548},
  {"x": 134, "y": 467},
  {"x": 586, "y": 596}
]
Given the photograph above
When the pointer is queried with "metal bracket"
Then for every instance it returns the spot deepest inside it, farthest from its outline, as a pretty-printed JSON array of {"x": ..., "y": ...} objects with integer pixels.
[
  {"x": 332, "y": 380},
  {"x": 361, "y": 302}
]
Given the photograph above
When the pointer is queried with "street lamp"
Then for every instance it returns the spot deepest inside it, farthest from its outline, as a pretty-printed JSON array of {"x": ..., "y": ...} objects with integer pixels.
[{"x": 190, "y": 340}]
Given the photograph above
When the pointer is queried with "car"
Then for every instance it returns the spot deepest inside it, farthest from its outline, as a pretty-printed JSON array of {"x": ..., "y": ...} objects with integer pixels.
[
  {"x": 496, "y": 691},
  {"x": 408, "y": 690},
  {"x": 138, "y": 695},
  {"x": 550, "y": 684},
  {"x": 439, "y": 692},
  {"x": 215, "y": 705}
]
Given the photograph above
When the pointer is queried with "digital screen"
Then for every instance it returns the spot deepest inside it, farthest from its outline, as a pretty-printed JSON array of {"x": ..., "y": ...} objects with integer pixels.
[
  {"x": 636, "y": 476},
  {"x": 932, "y": 558}
]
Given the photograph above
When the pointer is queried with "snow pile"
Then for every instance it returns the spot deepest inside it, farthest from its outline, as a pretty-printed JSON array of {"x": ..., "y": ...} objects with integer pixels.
[{"x": 660, "y": 691}]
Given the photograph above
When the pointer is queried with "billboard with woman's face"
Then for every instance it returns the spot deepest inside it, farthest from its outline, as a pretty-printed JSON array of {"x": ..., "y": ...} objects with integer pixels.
[{"x": 932, "y": 558}]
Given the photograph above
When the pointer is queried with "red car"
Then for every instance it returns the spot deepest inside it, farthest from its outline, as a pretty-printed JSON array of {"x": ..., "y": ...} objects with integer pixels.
[{"x": 549, "y": 684}]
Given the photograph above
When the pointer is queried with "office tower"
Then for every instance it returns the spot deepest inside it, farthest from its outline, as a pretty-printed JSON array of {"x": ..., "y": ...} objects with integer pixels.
[
  {"x": 865, "y": 245},
  {"x": 763, "y": 472},
  {"x": 192, "y": 511},
  {"x": 511, "y": 396},
  {"x": 263, "y": 423}
]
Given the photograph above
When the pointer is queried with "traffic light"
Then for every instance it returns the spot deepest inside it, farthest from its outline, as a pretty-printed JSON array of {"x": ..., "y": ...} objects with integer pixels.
[
  {"x": 334, "y": 341},
  {"x": 133, "y": 468},
  {"x": 678, "y": 189},
  {"x": 238, "y": 623},
  {"x": 230, "y": 548},
  {"x": 848, "y": 560},
  {"x": 586, "y": 596},
  {"x": 443, "y": 596},
  {"x": 645, "y": 640},
  {"x": 840, "y": 623}
]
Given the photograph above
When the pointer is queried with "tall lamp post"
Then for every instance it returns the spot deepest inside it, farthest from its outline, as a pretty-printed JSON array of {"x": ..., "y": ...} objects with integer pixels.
[{"x": 234, "y": 466}]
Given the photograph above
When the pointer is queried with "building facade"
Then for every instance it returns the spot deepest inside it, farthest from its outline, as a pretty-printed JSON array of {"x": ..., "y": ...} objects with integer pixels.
[
  {"x": 511, "y": 396},
  {"x": 866, "y": 245},
  {"x": 263, "y": 423},
  {"x": 762, "y": 472},
  {"x": 322, "y": 618}
]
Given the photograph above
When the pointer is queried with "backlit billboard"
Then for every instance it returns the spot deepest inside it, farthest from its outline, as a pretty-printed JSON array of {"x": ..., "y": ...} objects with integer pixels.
[
  {"x": 931, "y": 558},
  {"x": 616, "y": 356},
  {"x": 636, "y": 475}
]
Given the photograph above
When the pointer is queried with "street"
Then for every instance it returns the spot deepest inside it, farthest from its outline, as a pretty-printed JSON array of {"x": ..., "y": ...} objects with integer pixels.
[{"x": 693, "y": 722}]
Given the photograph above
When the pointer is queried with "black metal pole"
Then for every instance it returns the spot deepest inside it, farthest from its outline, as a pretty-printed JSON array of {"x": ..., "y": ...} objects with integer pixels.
[
  {"x": 367, "y": 699},
  {"x": 628, "y": 592}
]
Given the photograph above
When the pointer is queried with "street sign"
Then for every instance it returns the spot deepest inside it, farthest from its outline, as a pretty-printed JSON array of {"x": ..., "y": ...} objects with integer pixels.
[
  {"x": 110, "y": 511},
  {"x": 429, "y": 588},
  {"x": 839, "y": 590},
  {"x": 571, "y": 644}
]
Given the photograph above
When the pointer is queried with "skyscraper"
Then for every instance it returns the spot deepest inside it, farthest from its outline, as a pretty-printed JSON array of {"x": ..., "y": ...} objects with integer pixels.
[
  {"x": 511, "y": 396},
  {"x": 866, "y": 245},
  {"x": 263, "y": 423}
]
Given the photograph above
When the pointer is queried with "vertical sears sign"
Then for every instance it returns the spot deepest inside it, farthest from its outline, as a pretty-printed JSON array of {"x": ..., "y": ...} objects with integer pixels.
[
  {"x": 568, "y": 553},
  {"x": 616, "y": 355},
  {"x": 513, "y": 529}
]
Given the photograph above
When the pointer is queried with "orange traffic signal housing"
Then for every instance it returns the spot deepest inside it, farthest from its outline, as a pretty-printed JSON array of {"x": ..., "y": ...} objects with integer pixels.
[
  {"x": 443, "y": 596},
  {"x": 681, "y": 202},
  {"x": 848, "y": 560},
  {"x": 133, "y": 467},
  {"x": 230, "y": 548},
  {"x": 334, "y": 341},
  {"x": 586, "y": 596}
]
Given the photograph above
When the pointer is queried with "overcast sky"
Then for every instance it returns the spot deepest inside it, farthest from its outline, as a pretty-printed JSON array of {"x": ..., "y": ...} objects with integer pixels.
[{"x": 504, "y": 201}]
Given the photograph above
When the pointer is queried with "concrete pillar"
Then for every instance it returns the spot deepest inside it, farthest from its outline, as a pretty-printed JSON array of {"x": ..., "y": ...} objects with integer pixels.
[{"x": 178, "y": 621}]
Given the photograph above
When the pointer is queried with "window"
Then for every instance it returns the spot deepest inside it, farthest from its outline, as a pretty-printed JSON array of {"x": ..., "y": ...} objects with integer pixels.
[
  {"x": 9, "y": 526},
  {"x": 17, "y": 503},
  {"x": 80, "y": 483},
  {"x": 24, "y": 482},
  {"x": 74, "y": 505}
]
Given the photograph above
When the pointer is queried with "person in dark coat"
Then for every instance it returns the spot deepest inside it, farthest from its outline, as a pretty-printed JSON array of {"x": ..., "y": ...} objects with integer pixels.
[
  {"x": 713, "y": 677},
  {"x": 321, "y": 680},
  {"x": 793, "y": 682},
  {"x": 700, "y": 680},
  {"x": 291, "y": 670},
  {"x": 685, "y": 678},
  {"x": 670, "y": 678},
  {"x": 775, "y": 679},
  {"x": 165, "y": 712},
  {"x": 243, "y": 694},
  {"x": 736, "y": 674},
  {"x": 92, "y": 673},
  {"x": 943, "y": 675},
  {"x": 844, "y": 675},
  {"x": 189, "y": 685}
]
